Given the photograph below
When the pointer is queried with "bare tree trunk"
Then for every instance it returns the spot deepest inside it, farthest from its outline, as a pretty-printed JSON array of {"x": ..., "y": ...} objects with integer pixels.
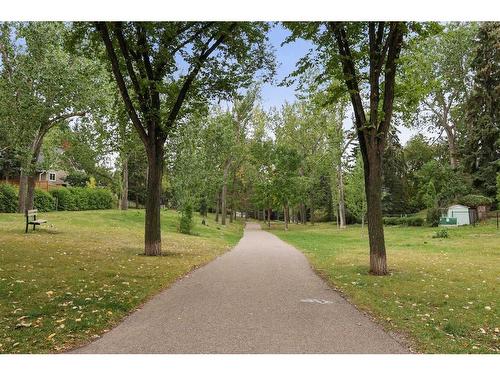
[
  {"x": 224, "y": 193},
  {"x": 124, "y": 201},
  {"x": 217, "y": 207},
  {"x": 452, "y": 147},
  {"x": 341, "y": 198},
  {"x": 23, "y": 186},
  {"x": 152, "y": 238},
  {"x": 285, "y": 215},
  {"x": 136, "y": 200},
  {"x": 269, "y": 217},
  {"x": 30, "y": 196},
  {"x": 373, "y": 185}
]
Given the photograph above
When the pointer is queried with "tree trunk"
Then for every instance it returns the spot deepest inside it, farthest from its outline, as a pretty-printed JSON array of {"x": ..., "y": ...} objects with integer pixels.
[
  {"x": 373, "y": 185},
  {"x": 136, "y": 200},
  {"x": 341, "y": 198},
  {"x": 269, "y": 217},
  {"x": 452, "y": 148},
  {"x": 35, "y": 154},
  {"x": 231, "y": 215},
  {"x": 224, "y": 193},
  {"x": 217, "y": 207},
  {"x": 23, "y": 186},
  {"x": 152, "y": 239},
  {"x": 30, "y": 195},
  {"x": 124, "y": 201},
  {"x": 285, "y": 215}
]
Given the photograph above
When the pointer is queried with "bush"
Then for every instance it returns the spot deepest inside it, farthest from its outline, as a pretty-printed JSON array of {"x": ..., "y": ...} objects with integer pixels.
[
  {"x": 433, "y": 216},
  {"x": 409, "y": 221},
  {"x": 186, "y": 219},
  {"x": 473, "y": 200},
  {"x": 80, "y": 199},
  {"x": 100, "y": 199},
  {"x": 391, "y": 221},
  {"x": 65, "y": 200},
  {"x": 414, "y": 221},
  {"x": 442, "y": 233},
  {"x": 8, "y": 198},
  {"x": 43, "y": 201}
]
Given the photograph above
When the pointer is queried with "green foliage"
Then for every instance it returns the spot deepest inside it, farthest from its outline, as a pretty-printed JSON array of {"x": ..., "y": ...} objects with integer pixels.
[
  {"x": 77, "y": 179},
  {"x": 186, "y": 219},
  {"x": 474, "y": 200},
  {"x": 43, "y": 201},
  {"x": 408, "y": 221},
  {"x": 442, "y": 233},
  {"x": 65, "y": 200},
  {"x": 79, "y": 199},
  {"x": 433, "y": 216},
  {"x": 439, "y": 184},
  {"x": 481, "y": 146},
  {"x": 498, "y": 187},
  {"x": 8, "y": 198}
]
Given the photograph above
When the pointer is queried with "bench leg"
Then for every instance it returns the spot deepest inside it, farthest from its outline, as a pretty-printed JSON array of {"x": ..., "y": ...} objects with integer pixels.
[
  {"x": 34, "y": 226},
  {"x": 26, "y": 228}
]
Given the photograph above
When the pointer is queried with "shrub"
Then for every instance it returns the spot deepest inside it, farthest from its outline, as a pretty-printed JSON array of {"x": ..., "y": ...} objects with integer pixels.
[
  {"x": 473, "y": 200},
  {"x": 43, "y": 201},
  {"x": 442, "y": 233},
  {"x": 391, "y": 220},
  {"x": 100, "y": 199},
  {"x": 412, "y": 221},
  {"x": 79, "y": 199},
  {"x": 186, "y": 219},
  {"x": 409, "y": 221},
  {"x": 433, "y": 216},
  {"x": 8, "y": 198},
  {"x": 65, "y": 200}
]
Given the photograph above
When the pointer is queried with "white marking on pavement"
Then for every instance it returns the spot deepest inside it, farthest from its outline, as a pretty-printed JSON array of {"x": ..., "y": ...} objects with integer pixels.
[{"x": 315, "y": 300}]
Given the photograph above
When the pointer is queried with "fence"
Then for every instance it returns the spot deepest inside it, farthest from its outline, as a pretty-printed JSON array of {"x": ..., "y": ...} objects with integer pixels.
[{"x": 44, "y": 185}]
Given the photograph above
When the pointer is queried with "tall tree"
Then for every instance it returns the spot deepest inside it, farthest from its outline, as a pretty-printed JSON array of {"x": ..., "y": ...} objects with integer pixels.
[
  {"x": 367, "y": 54},
  {"x": 42, "y": 86},
  {"x": 149, "y": 61},
  {"x": 437, "y": 79},
  {"x": 481, "y": 147}
]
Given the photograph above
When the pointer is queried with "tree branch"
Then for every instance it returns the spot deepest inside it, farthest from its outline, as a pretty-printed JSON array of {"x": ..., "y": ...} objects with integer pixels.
[
  {"x": 192, "y": 75},
  {"x": 103, "y": 30}
]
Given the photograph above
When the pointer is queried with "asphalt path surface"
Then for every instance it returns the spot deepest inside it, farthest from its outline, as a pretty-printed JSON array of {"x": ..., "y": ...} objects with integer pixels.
[{"x": 261, "y": 297}]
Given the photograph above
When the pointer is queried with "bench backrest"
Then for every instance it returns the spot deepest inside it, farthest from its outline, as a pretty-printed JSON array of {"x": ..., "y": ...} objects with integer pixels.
[{"x": 30, "y": 213}]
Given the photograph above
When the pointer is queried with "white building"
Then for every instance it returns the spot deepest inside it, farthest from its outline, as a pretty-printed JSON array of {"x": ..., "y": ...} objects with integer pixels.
[{"x": 460, "y": 212}]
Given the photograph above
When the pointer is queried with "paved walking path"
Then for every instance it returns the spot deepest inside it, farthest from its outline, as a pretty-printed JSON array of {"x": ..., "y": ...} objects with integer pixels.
[{"x": 261, "y": 297}]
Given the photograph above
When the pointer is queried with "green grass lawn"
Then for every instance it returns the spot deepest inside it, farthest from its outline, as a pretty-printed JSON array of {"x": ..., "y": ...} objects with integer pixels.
[
  {"x": 78, "y": 276},
  {"x": 442, "y": 294}
]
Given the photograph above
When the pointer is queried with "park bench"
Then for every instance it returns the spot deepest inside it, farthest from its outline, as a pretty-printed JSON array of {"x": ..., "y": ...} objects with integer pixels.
[{"x": 31, "y": 219}]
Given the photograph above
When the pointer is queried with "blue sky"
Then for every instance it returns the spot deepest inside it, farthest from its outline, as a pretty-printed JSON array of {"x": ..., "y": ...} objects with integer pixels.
[{"x": 286, "y": 56}]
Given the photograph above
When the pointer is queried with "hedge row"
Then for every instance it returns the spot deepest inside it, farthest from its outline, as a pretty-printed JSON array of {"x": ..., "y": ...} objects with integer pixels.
[
  {"x": 8, "y": 198},
  {"x": 405, "y": 221},
  {"x": 66, "y": 199},
  {"x": 80, "y": 199}
]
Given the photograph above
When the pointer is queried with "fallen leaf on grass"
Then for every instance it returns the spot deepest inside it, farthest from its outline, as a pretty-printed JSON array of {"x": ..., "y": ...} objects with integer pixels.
[{"x": 49, "y": 337}]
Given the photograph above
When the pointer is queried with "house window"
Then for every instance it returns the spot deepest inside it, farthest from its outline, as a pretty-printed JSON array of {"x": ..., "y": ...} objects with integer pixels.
[{"x": 52, "y": 176}]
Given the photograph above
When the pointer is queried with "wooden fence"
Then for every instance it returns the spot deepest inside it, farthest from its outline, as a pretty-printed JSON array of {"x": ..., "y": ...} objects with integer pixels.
[{"x": 44, "y": 185}]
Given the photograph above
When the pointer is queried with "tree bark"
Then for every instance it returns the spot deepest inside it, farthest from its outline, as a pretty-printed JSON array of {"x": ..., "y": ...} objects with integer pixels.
[
  {"x": 373, "y": 186},
  {"x": 217, "y": 207},
  {"x": 269, "y": 217},
  {"x": 341, "y": 198},
  {"x": 124, "y": 201},
  {"x": 285, "y": 215},
  {"x": 152, "y": 238},
  {"x": 23, "y": 186}
]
